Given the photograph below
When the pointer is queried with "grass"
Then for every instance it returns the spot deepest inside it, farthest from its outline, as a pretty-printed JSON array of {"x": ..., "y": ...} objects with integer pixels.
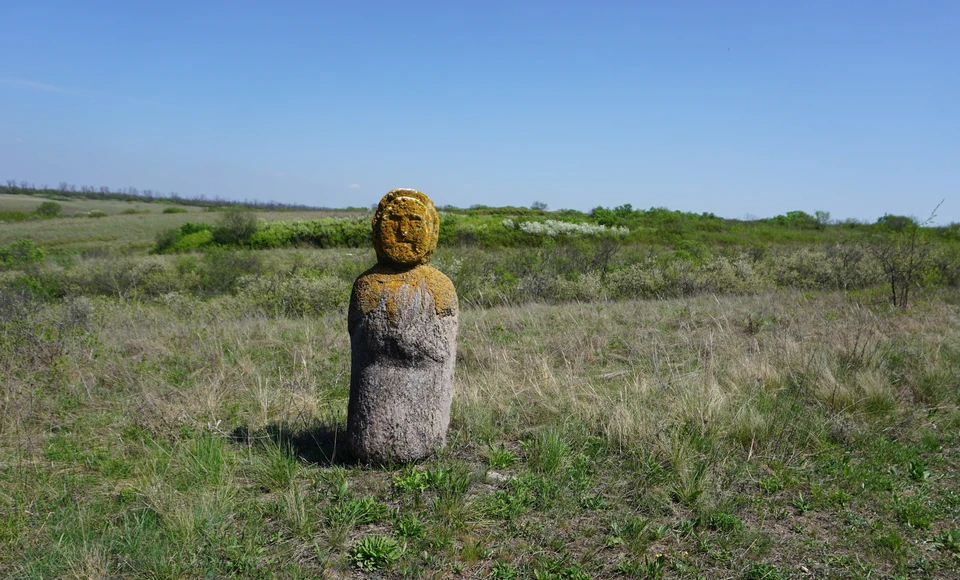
[
  {"x": 635, "y": 438},
  {"x": 188, "y": 434},
  {"x": 116, "y": 232}
]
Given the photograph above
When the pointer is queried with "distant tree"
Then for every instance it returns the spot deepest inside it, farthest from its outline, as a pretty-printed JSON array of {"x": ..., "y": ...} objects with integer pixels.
[
  {"x": 64, "y": 186},
  {"x": 49, "y": 209},
  {"x": 539, "y": 205},
  {"x": 897, "y": 222},
  {"x": 822, "y": 218}
]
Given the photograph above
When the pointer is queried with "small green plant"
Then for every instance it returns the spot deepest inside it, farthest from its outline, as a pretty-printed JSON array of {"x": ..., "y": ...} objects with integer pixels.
[
  {"x": 762, "y": 571},
  {"x": 645, "y": 567},
  {"x": 724, "y": 522},
  {"x": 408, "y": 526},
  {"x": 451, "y": 482},
  {"x": 948, "y": 540},
  {"x": 890, "y": 541},
  {"x": 174, "y": 209},
  {"x": 500, "y": 457},
  {"x": 634, "y": 532},
  {"x": 96, "y": 213},
  {"x": 375, "y": 552},
  {"x": 802, "y": 504},
  {"x": 918, "y": 470},
  {"x": 689, "y": 484},
  {"x": 504, "y": 571},
  {"x": 593, "y": 501},
  {"x": 547, "y": 451},
  {"x": 411, "y": 481},
  {"x": 280, "y": 466},
  {"x": 356, "y": 511},
  {"x": 914, "y": 512},
  {"x": 339, "y": 485}
]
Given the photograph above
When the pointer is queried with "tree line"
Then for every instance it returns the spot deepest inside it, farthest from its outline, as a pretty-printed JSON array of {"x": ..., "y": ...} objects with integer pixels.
[{"x": 66, "y": 191}]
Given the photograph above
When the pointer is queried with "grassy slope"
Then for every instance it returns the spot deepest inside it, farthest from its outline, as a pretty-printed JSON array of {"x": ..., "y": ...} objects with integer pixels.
[{"x": 29, "y": 203}]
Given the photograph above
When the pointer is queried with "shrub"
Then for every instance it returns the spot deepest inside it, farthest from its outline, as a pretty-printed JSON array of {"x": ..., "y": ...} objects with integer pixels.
[
  {"x": 125, "y": 277},
  {"x": 295, "y": 295},
  {"x": 96, "y": 214},
  {"x": 554, "y": 228},
  {"x": 194, "y": 241},
  {"x": 321, "y": 233},
  {"x": 221, "y": 270},
  {"x": 19, "y": 254},
  {"x": 188, "y": 237},
  {"x": 49, "y": 209},
  {"x": 903, "y": 250},
  {"x": 236, "y": 227},
  {"x": 174, "y": 210},
  {"x": 166, "y": 240}
]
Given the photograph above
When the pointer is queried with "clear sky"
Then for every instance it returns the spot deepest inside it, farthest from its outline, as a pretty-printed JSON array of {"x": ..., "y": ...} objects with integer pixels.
[{"x": 735, "y": 108}]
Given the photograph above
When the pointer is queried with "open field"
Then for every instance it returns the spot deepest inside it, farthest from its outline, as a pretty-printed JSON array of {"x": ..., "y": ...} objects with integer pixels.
[
  {"x": 75, "y": 206},
  {"x": 115, "y": 232},
  {"x": 182, "y": 416}
]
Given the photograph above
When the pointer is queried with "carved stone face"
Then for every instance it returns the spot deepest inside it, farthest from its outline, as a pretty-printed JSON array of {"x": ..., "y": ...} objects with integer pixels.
[{"x": 405, "y": 228}]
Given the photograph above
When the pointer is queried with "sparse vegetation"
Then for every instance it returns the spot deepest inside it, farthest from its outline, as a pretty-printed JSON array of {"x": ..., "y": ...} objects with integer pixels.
[{"x": 183, "y": 415}]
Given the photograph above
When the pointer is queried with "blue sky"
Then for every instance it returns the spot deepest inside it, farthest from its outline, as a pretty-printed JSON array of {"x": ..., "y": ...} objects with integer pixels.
[{"x": 735, "y": 108}]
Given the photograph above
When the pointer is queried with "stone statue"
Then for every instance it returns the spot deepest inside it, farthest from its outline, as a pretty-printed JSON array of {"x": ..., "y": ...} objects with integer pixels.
[{"x": 403, "y": 338}]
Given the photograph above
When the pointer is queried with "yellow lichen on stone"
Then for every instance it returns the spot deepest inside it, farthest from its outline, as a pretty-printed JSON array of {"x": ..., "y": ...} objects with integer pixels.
[
  {"x": 387, "y": 285},
  {"x": 405, "y": 228}
]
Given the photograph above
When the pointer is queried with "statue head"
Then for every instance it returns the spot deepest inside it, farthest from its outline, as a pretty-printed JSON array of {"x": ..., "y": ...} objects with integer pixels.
[{"x": 405, "y": 228}]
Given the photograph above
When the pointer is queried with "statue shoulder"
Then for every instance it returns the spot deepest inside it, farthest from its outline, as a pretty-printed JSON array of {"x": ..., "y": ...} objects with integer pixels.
[{"x": 444, "y": 294}]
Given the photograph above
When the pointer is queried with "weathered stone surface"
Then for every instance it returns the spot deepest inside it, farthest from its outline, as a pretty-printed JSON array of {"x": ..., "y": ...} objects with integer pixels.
[{"x": 403, "y": 337}]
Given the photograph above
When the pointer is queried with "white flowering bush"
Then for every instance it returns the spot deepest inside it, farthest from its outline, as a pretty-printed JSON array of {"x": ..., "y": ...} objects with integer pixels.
[{"x": 553, "y": 228}]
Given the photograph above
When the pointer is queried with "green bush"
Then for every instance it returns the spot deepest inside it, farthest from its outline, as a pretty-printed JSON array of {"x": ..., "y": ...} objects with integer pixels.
[
  {"x": 49, "y": 209},
  {"x": 188, "y": 237},
  {"x": 174, "y": 210},
  {"x": 96, "y": 214},
  {"x": 19, "y": 254},
  {"x": 194, "y": 241},
  {"x": 320, "y": 233}
]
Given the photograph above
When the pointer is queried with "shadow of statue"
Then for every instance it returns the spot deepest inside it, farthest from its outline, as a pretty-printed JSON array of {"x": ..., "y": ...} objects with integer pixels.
[{"x": 323, "y": 444}]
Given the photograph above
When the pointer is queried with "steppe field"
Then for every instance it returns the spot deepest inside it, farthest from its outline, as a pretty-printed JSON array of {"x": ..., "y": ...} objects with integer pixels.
[{"x": 688, "y": 397}]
